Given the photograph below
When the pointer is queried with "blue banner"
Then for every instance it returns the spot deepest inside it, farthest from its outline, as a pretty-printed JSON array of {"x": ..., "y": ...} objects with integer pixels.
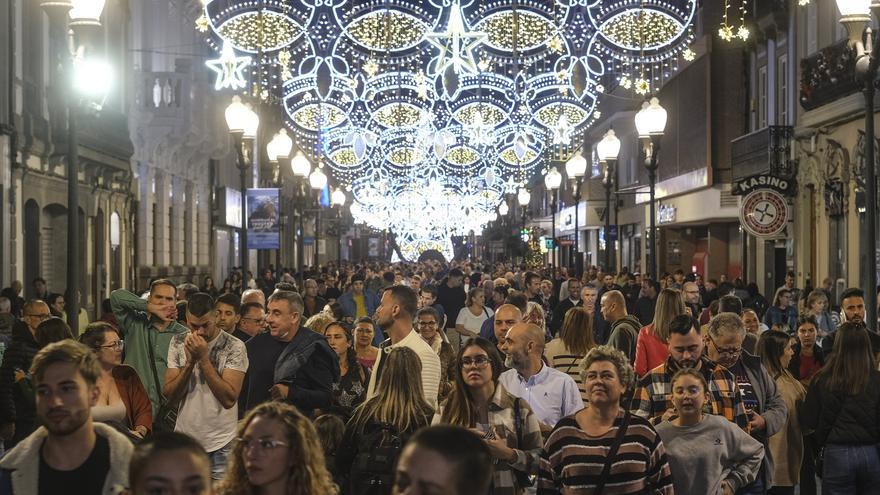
[{"x": 263, "y": 219}]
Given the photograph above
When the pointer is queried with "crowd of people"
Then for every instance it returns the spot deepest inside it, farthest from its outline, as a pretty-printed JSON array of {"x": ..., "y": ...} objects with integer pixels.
[{"x": 435, "y": 378}]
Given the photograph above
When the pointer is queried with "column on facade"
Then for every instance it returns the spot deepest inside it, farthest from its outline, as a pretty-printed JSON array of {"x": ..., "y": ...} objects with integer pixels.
[
  {"x": 203, "y": 223},
  {"x": 145, "y": 232},
  {"x": 161, "y": 224}
]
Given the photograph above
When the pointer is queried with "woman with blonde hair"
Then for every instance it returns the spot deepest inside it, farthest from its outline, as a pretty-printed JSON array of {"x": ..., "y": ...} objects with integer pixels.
[
  {"x": 817, "y": 307},
  {"x": 277, "y": 452},
  {"x": 319, "y": 322},
  {"x": 574, "y": 342},
  {"x": 380, "y": 426},
  {"x": 651, "y": 348}
]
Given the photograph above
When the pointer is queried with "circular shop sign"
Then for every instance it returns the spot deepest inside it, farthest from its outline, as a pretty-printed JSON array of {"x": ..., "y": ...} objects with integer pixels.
[{"x": 764, "y": 213}]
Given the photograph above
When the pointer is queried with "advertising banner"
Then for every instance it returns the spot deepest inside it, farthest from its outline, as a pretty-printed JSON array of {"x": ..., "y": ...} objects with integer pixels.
[{"x": 263, "y": 219}]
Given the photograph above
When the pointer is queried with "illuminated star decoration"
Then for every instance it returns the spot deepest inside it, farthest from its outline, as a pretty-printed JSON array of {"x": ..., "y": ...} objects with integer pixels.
[
  {"x": 229, "y": 68},
  {"x": 480, "y": 133},
  {"x": 458, "y": 53},
  {"x": 562, "y": 131}
]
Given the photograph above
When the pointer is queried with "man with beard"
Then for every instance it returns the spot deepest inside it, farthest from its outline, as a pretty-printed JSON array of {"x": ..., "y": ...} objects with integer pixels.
[
  {"x": 228, "y": 307},
  {"x": 70, "y": 452},
  {"x": 289, "y": 362},
  {"x": 647, "y": 302},
  {"x": 574, "y": 299},
  {"x": 550, "y": 393},
  {"x": 206, "y": 368},
  {"x": 653, "y": 396},
  {"x": 394, "y": 316},
  {"x": 852, "y": 305}
]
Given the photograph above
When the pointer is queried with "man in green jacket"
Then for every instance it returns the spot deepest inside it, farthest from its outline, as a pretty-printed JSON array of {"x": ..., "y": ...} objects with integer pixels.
[{"x": 147, "y": 324}]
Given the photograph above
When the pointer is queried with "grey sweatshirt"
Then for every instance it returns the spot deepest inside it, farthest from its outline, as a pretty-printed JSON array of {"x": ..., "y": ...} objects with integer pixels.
[{"x": 712, "y": 451}]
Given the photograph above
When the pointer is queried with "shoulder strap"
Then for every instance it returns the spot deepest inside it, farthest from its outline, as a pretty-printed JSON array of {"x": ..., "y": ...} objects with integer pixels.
[
  {"x": 606, "y": 470},
  {"x": 155, "y": 373},
  {"x": 517, "y": 423}
]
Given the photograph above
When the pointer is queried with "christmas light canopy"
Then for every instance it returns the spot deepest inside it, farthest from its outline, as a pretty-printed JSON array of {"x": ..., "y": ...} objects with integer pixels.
[{"x": 427, "y": 112}]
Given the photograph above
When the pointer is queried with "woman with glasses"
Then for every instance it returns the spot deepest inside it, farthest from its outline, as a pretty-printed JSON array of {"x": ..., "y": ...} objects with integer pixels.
[
  {"x": 428, "y": 326},
  {"x": 507, "y": 425},
  {"x": 351, "y": 389},
  {"x": 277, "y": 452},
  {"x": 123, "y": 401}
]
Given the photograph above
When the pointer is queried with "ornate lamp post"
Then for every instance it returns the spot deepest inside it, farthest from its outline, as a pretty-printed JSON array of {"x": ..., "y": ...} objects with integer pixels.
[
  {"x": 83, "y": 17},
  {"x": 317, "y": 179},
  {"x": 301, "y": 168},
  {"x": 855, "y": 15},
  {"x": 651, "y": 124},
  {"x": 337, "y": 199},
  {"x": 552, "y": 181},
  {"x": 524, "y": 197},
  {"x": 243, "y": 124},
  {"x": 608, "y": 149},
  {"x": 277, "y": 150},
  {"x": 576, "y": 168}
]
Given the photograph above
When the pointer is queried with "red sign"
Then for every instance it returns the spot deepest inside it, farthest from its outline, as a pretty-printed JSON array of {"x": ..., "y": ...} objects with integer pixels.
[{"x": 566, "y": 242}]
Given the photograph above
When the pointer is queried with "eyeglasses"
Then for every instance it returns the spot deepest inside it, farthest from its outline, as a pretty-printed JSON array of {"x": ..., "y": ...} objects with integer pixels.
[
  {"x": 260, "y": 445},
  {"x": 117, "y": 346},
  {"x": 41, "y": 317},
  {"x": 477, "y": 361},
  {"x": 726, "y": 351}
]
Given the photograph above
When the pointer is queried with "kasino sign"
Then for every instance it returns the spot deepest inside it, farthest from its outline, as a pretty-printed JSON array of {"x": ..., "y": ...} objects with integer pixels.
[
  {"x": 764, "y": 211},
  {"x": 742, "y": 187}
]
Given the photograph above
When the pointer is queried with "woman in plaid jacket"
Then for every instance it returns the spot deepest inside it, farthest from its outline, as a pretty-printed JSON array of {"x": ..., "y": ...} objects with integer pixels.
[{"x": 505, "y": 423}]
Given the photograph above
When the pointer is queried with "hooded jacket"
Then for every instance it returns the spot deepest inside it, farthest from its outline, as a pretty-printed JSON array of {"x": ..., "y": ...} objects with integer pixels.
[{"x": 20, "y": 468}]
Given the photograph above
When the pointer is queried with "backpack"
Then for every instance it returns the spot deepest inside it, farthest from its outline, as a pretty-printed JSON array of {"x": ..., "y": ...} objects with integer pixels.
[{"x": 372, "y": 472}]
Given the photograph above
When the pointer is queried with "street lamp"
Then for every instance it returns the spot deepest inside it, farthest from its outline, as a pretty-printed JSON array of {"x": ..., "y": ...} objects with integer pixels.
[
  {"x": 337, "y": 199},
  {"x": 243, "y": 124},
  {"x": 317, "y": 179},
  {"x": 279, "y": 148},
  {"x": 552, "y": 181},
  {"x": 855, "y": 15},
  {"x": 503, "y": 209},
  {"x": 651, "y": 123},
  {"x": 524, "y": 197},
  {"x": 608, "y": 149},
  {"x": 576, "y": 168},
  {"x": 81, "y": 16},
  {"x": 301, "y": 168}
]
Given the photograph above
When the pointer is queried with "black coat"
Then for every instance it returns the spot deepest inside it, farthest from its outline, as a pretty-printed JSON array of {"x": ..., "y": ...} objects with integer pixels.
[
  {"x": 843, "y": 420},
  {"x": 559, "y": 314},
  {"x": 16, "y": 395}
]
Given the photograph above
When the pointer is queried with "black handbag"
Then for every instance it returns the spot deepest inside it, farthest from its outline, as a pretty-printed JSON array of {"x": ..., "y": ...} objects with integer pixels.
[
  {"x": 524, "y": 480},
  {"x": 165, "y": 418}
]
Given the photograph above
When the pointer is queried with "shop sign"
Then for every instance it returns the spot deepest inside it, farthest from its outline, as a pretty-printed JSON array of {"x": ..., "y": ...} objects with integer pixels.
[
  {"x": 666, "y": 214},
  {"x": 741, "y": 187},
  {"x": 764, "y": 213}
]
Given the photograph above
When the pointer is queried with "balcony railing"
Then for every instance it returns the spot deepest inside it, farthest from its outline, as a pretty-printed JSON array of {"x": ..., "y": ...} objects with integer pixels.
[
  {"x": 828, "y": 75},
  {"x": 764, "y": 151}
]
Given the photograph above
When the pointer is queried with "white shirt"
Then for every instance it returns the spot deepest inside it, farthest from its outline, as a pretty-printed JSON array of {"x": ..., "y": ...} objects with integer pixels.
[
  {"x": 201, "y": 415},
  {"x": 430, "y": 366},
  {"x": 551, "y": 394},
  {"x": 470, "y": 322}
]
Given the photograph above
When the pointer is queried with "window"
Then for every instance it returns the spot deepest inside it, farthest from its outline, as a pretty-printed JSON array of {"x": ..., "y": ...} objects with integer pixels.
[
  {"x": 782, "y": 95},
  {"x": 762, "y": 97}
]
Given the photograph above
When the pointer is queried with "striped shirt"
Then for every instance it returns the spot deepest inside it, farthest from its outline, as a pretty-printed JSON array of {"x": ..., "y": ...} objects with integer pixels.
[
  {"x": 653, "y": 395},
  {"x": 573, "y": 461},
  {"x": 561, "y": 358},
  {"x": 501, "y": 417}
]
